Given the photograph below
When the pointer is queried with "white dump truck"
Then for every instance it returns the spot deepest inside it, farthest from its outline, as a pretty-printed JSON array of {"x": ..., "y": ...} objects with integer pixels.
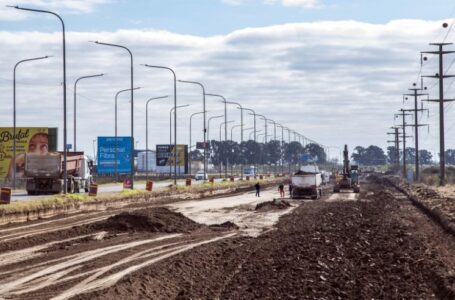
[
  {"x": 45, "y": 173},
  {"x": 306, "y": 183}
]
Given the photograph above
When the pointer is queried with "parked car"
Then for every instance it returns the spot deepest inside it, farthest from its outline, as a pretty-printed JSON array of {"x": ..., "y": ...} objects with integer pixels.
[{"x": 201, "y": 175}]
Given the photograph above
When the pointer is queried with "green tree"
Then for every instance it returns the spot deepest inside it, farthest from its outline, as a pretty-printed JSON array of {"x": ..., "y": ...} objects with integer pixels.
[
  {"x": 317, "y": 152},
  {"x": 425, "y": 157},
  {"x": 391, "y": 155},
  {"x": 450, "y": 156}
]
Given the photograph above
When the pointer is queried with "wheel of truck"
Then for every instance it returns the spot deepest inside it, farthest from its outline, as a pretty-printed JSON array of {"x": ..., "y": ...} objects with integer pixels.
[
  {"x": 70, "y": 187},
  {"x": 77, "y": 188}
]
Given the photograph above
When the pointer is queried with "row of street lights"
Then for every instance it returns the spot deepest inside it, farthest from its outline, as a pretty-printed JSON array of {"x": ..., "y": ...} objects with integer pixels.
[{"x": 131, "y": 90}]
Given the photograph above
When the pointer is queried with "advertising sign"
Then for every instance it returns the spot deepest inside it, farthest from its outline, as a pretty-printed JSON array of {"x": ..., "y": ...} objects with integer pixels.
[
  {"x": 108, "y": 148},
  {"x": 28, "y": 140},
  {"x": 165, "y": 158}
]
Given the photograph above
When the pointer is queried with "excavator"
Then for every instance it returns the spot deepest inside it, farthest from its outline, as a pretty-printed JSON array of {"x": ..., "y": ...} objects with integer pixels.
[{"x": 349, "y": 178}]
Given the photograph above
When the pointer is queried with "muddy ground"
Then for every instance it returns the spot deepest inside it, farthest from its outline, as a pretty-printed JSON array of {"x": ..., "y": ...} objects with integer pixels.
[{"x": 345, "y": 246}]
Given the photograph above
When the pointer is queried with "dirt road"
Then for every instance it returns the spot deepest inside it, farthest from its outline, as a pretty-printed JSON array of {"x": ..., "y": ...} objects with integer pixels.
[{"x": 371, "y": 245}]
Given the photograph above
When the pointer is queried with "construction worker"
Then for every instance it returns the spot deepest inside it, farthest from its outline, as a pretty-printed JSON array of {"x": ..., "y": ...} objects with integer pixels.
[
  {"x": 281, "y": 190},
  {"x": 257, "y": 186}
]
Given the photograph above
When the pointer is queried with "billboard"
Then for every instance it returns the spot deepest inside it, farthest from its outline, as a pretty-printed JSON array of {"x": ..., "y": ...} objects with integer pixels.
[
  {"x": 39, "y": 140},
  {"x": 108, "y": 148},
  {"x": 165, "y": 158}
]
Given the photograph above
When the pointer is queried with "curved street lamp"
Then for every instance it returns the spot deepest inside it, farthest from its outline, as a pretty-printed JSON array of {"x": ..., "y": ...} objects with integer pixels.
[
  {"x": 223, "y": 99},
  {"x": 190, "y": 145},
  {"x": 65, "y": 171},
  {"x": 175, "y": 114},
  {"x": 132, "y": 104},
  {"x": 147, "y": 133},
  {"x": 14, "y": 112},
  {"x": 75, "y": 95},
  {"x": 116, "y": 141},
  {"x": 174, "y": 109},
  {"x": 204, "y": 111}
]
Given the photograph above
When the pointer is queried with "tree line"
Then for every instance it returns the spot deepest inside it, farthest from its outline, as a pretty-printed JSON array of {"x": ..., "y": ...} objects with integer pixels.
[
  {"x": 374, "y": 155},
  {"x": 250, "y": 152}
]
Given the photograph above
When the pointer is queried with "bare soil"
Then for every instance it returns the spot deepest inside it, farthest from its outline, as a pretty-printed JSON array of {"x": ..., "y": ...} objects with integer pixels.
[
  {"x": 379, "y": 247},
  {"x": 374, "y": 245},
  {"x": 156, "y": 219}
]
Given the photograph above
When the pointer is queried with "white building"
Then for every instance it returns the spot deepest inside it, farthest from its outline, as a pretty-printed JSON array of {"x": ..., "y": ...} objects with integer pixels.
[{"x": 150, "y": 165}]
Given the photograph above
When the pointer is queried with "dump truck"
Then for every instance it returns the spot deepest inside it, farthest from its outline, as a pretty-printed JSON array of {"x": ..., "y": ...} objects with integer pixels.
[
  {"x": 306, "y": 183},
  {"x": 349, "y": 177},
  {"x": 45, "y": 173}
]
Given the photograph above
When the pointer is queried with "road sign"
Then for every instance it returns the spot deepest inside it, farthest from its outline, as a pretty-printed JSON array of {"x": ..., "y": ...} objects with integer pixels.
[
  {"x": 108, "y": 149},
  {"x": 69, "y": 146}
]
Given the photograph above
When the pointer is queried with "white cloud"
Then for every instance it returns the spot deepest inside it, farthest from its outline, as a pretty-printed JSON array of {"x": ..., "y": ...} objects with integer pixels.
[
  {"x": 297, "y": 3},
  {"x": 302, "y": 3},
  {"x": 336, "y": 82},
  {"x": 70, "y": 6}
]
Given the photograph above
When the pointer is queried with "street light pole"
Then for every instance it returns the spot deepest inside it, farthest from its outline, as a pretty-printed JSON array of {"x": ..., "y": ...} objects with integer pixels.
[
  {"x": 75, "y": 95},
  {"x": 14, "y": 112},
  {"x": 241, "y": 135},
  {"x": 204, "y": 119},
  {"x": 265, "y": 135},
  {"x": 170, "y": 140},
  {"x": 289, "y": 143},
  {"x": 281, "y": 147},
  {"x": 208, "y": 126},
  {"x": 116, "y": 141},
  {"x": 65, "y": 172},
  {"x": 226, "y": 159},
  {"x": 274, "y": 138},
  {"x": 132, "y": 104},
  {"x": 189, "y": 147},
  {"x": 225, "y": 154},
  {"x": 175, "y": 115},
  {"x": 147, "y": 134},
  {"x": 255, "y": 143}
]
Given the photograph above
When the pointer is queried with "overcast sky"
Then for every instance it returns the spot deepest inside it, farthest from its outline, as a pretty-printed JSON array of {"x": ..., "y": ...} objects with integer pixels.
[{"x": 334, "y": 71}]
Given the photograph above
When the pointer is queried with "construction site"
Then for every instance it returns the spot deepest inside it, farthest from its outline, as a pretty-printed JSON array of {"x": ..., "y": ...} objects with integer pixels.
[{"x": 392, "y": 240}]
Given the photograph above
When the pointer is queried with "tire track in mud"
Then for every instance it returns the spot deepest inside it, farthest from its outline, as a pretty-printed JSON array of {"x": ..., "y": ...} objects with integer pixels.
[
  {"x": 44, "y": 281},
  {"x": 16, "y": 284},
  {"x": 93, "y": 284},
  {"x": 28, "y": 233}
]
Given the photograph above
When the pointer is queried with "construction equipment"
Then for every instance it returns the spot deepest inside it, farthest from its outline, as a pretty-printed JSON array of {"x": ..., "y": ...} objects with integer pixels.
[
  {"x": 45, "y": 173},
  {"x": 307, "y": 182},
  {"x": 349, "y": 178}
]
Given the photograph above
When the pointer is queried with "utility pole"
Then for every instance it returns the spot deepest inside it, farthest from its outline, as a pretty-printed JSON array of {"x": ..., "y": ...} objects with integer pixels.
[
  {"x": 416, "y": 126},
  {"x": 396, "y": 142},
  {"x": 441, "y": 76},
  {"x": 403, "y": 114}
]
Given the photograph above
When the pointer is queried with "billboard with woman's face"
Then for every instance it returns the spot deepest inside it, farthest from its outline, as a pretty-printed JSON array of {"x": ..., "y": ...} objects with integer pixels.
[{"x": 28, "y": 140}]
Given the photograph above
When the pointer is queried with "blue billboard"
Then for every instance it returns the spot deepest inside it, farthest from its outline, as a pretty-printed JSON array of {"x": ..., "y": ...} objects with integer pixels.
[{"x": 109, "y": 148}]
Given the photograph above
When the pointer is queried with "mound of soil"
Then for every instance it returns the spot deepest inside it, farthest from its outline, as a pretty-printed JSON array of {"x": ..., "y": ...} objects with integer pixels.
[
  {"x": 270, "y": 205},
  {"x": 158, "y": 219},
  {"x": 226, "y": 226}
]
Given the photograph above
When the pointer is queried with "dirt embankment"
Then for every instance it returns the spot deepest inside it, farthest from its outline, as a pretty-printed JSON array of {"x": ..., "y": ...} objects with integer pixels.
[
  {"x": 272, "y": 205},
  {"x": 158, "y": 219},
  {"x": 439, "y": 207},
  {"x": 323, "y": 250}
]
